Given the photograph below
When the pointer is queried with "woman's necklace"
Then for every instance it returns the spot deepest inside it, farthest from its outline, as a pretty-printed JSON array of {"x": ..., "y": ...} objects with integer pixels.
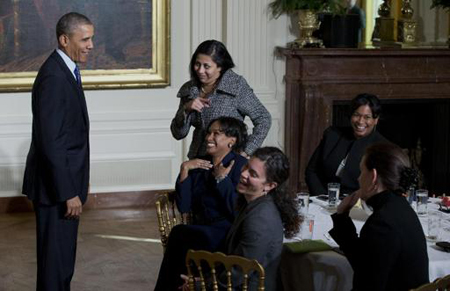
[{"x": 207, "y": 91}]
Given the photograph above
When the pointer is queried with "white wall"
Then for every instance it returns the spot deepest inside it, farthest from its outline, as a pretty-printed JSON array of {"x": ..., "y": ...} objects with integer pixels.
[{"x": 131, "y": 144}]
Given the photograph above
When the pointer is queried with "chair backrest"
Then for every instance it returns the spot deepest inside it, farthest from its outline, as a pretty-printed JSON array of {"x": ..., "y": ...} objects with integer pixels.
[
  {"x": 440, "y": 284},
  {"x": 168, "y": 215},
  {"x": 245, "y": 267}
]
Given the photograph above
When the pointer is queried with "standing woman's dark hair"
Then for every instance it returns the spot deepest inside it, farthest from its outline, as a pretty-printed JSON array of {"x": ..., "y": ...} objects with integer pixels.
[
  {"x": 233, "y": 127},
  {"x": 367, "y": 99},
  {"x": 277, "y": 170},
  {"x": 392, "y": 165},
  {"x": 218, "y": 53}
]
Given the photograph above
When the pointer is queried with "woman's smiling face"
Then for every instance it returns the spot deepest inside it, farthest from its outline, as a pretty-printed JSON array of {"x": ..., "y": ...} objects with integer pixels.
[
  {"x": 253, "y": 183},
  {"x": 206, "y": 69},
  {"x": 217, "y": 142},
  {"x": 362, "y": 121}
]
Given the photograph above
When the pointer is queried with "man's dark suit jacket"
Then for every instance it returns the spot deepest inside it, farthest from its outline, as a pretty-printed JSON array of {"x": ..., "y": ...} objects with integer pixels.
[
  {"x": 334, "y": 146},
  {"x": 390, "y": 252},
  {"x": 57, "y": 167},
  {"x": 257, "y": 233}
]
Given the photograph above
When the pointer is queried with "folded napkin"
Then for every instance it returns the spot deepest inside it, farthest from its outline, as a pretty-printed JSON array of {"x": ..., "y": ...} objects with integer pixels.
[{"x": 306, "y": 246}]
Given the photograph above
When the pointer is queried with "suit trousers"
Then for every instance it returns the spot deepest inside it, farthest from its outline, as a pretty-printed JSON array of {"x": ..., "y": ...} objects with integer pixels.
[{"x": 56, "y": 247}]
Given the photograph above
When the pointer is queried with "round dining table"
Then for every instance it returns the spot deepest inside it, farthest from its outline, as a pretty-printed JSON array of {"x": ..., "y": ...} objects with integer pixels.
[{"x": 329, "y": 269}]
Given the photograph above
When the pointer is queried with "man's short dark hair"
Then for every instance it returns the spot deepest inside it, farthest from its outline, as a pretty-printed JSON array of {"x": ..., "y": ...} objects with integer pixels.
[{"x": 69, "y": 22}]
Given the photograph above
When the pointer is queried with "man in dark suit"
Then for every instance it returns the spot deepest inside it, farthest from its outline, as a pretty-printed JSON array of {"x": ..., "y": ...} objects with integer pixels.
[{"x": 57, "y": 170}]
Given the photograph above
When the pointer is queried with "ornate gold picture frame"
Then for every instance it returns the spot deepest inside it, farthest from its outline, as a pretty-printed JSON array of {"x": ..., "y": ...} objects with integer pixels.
[{"x": 131, "y": 42}]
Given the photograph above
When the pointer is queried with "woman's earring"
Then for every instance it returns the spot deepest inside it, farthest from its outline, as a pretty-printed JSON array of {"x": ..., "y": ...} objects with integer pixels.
[{"x": 230, "y": 145}]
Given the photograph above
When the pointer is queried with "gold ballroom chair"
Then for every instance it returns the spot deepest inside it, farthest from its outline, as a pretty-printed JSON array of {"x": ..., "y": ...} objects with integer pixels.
[
  {"x": 228, "y": 262},
  {"x": 168, "y": 215},
  {"x": 440, "y": 284}
]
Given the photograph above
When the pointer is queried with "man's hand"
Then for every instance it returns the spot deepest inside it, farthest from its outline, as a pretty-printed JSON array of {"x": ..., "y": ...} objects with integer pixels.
[{"x": 74, "y": 208}]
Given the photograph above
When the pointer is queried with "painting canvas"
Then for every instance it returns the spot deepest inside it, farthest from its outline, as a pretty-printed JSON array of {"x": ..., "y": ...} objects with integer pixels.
[{"x": 130, "y": 42}]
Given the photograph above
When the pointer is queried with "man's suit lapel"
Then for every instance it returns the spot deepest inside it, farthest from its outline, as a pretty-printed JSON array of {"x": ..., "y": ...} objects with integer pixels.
[{"x": 74, "y": 84}]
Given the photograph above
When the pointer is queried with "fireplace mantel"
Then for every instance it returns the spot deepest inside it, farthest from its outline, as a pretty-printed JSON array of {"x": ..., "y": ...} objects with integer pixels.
[{"x": 315, "y": 78}]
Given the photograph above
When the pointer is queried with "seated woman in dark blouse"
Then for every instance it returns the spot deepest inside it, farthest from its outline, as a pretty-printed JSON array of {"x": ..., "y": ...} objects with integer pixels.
[
  {"x": 337, "y": 157},
  {"x": 207, "y": 188},
  {"x": 391, "y": 251}
]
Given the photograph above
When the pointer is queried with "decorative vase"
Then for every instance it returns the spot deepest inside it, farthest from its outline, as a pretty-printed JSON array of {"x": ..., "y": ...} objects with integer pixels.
[
  {"x": 406, "y": 26},
  {"x": 406, "y": 10},
  {"x": 385, "y": 9},
  {"x": 308, "y": 23}
]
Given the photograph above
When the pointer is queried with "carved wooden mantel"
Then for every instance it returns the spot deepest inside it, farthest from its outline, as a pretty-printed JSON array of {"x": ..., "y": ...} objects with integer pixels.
[{"x": 317, "y": 77}]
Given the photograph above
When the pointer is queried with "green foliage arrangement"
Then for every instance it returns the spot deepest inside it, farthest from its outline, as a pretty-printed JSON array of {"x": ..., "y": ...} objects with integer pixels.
[
  {"x": 279, "y": 7},
  {"x": 444, "y": 4}
]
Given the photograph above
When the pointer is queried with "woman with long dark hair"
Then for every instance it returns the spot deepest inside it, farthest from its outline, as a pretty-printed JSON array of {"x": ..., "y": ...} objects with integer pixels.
[
  {"x": 391, "y": 251},
  {"x": 267, "y": 213}
]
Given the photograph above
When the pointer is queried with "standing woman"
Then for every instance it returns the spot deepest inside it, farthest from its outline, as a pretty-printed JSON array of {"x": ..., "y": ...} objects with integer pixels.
[
  {"x": 337, "y": 157},
  {"x": 214, "y": 91},
  {"x": 391, "y": 251}
]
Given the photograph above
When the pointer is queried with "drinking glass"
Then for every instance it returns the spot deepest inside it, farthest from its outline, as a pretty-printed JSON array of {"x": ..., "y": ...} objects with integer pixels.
[
  {"x": 303, "y": 202},
  {"x": 434, "y": 225},
  {"x": 333, "y": 194},
  {"x": 421, "y": 202},
  {"x": 307, "y": 227},
  {"x": 411, "y": 195}
]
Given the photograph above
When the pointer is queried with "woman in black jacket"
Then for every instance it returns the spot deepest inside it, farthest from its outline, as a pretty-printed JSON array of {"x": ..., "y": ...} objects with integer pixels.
[
  {"x": 391, "y": 251},
  {"x": 337, "y": 157}
]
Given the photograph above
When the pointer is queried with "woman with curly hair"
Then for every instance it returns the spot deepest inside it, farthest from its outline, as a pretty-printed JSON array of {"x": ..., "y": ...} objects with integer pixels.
[
  {"x": 267, "y": 212},
  {"x": 391, "y": 251}
]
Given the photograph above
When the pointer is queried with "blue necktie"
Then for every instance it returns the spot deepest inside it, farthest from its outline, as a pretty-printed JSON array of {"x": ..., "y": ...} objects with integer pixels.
[{"x": 77, "y": 75}]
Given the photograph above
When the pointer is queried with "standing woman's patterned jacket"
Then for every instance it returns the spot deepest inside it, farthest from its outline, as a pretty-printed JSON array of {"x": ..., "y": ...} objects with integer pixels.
[{"x": 232, "y": 97}]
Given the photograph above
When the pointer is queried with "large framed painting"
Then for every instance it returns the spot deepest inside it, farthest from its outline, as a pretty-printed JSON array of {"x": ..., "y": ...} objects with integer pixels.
[{"x": 131, "y": 42}]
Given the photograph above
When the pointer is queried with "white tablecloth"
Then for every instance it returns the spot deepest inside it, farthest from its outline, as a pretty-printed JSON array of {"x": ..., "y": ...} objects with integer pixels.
[{"x": 330, "y": 270}]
